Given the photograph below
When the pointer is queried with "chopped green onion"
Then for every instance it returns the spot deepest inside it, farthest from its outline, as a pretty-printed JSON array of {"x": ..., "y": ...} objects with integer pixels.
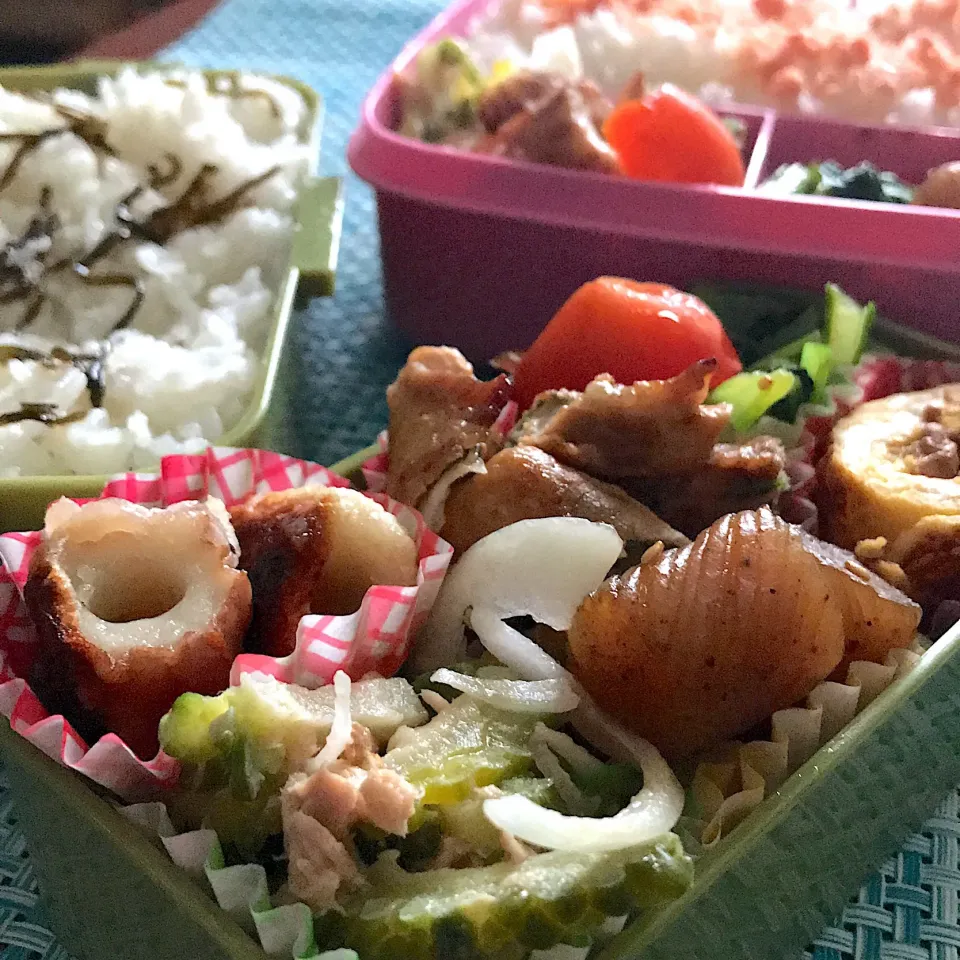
[
  {"x": 817, "y": 360},
  {"x": 847, "y": 324},
  {"x": 753, "y": 393}
]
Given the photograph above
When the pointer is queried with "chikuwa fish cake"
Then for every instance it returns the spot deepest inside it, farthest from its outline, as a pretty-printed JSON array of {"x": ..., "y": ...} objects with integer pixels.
[{"x": 134, "y": 606}]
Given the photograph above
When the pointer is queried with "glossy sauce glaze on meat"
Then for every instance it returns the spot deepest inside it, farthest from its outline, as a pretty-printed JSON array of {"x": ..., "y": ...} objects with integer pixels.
[
  {"x": 439, "y": 412},
  {"x": 644, "y": 457},
  {"x": 542, "y": 118},
  {"x": 524, "y": 482}
]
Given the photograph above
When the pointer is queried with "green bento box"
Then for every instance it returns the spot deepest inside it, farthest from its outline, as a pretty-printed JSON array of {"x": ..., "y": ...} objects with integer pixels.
[
  {"x": 761, "y": 894},
  {"x": 311, "y": 271}
]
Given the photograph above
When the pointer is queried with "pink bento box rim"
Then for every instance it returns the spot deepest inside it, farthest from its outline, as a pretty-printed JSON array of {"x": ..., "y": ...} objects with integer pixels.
[{"x": 721, "y": 217}]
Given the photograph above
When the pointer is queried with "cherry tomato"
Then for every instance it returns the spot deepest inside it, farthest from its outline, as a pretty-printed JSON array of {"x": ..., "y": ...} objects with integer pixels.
[
  {"x": 633, "y": 331},
  {"x": 670, "y": 136}
]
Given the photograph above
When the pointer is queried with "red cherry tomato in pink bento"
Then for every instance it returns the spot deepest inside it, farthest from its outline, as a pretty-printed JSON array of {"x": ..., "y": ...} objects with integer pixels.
[
  {"x": 633, "y": 331},
  {"x": 671, "y": 137}
]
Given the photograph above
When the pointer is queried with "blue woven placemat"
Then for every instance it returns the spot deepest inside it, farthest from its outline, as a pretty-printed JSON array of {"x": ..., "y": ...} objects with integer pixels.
[{"x": 346, "y": 356}]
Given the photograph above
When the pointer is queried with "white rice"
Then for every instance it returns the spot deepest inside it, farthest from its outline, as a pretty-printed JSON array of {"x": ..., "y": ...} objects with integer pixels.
[
  {"x": 183, "y": 373},
  {"x": 715, "y": 58}
]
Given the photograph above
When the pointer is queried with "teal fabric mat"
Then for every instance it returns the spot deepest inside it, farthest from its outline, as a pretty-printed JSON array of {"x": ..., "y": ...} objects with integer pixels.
[{"x": 346, "y": 356}]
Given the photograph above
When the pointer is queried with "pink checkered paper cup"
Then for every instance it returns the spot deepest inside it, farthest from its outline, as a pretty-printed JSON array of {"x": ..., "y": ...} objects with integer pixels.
[{"x": 375, "y": 639}]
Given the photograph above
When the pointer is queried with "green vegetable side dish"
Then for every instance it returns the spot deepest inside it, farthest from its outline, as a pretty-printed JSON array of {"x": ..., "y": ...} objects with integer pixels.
[
  {"x": 277, "y": 725},
  {"x": 505, "y": 910},
  {"x": 467, "y": 745},
  {"x": 466, "y": 820},
  {"x": 829, "y": 179},
  {"x": 753, "y": 393},
  {"x": 809, "y": 342},
  {"x": 848, "y": 325},
  {"x": 817, "y": 360},
  {"x": 239, "y": 748},
  {"x": 452, "y": 85}
]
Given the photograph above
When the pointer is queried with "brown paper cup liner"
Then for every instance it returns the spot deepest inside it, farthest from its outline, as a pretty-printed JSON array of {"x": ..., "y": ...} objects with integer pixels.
[{"x": 735, "y": 778}]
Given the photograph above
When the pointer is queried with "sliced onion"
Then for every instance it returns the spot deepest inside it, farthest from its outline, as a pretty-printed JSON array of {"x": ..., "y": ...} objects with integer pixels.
[
  {"x": 341, "y": 729},
  {"x": 519, "y": 696},
  {"x": 434, "y": 700},
  {"x": 432, "y": 506},
  {"x": 512, "y": 648},
  {"x": 404, "y": 736},
  {"x": 652, "y": 812},
  {"x": 574, "y": 799},
  {"x": 607, "y": 735},
  {"x": 541, "y": 568},
  {"x": 581, "y": 760}
]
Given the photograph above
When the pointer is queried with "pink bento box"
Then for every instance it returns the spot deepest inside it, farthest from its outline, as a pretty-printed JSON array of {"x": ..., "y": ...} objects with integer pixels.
[{"x": 479, "y": 252}]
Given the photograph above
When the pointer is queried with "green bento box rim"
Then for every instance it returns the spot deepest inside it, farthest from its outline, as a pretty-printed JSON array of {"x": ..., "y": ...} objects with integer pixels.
[
  {"x": 350, "y": 466},
  {"x": 191, "y": 920},
  {"x": 311, "y": 272}
]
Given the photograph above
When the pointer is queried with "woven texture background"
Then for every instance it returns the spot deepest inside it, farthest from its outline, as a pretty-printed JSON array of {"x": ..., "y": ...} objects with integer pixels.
[
  {"x": 908, "y": 909},
  {"x": 23, "y": 932},
  {"x": 345, "y": 356}
]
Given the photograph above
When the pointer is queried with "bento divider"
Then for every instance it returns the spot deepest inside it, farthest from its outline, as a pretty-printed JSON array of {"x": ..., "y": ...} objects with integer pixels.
[{"x": 761, "y": 147}]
